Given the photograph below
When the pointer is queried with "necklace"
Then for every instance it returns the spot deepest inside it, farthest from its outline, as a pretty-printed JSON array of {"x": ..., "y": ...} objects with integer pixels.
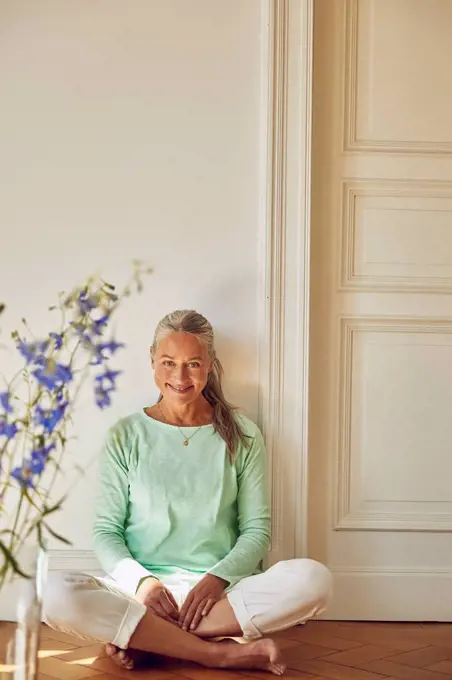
[{"x": 186, "y": 439}]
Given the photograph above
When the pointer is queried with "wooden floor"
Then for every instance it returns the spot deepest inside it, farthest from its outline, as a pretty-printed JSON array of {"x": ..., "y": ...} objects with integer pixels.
[{"x": 318, "y": 651}]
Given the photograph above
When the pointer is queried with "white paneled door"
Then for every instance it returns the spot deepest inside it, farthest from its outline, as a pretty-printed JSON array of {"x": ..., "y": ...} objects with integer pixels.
[{"x": 380, "y": 423}]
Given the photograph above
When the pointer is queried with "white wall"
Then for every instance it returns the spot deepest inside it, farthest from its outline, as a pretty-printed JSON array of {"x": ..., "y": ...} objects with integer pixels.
[{"x": 132, "y": 130}]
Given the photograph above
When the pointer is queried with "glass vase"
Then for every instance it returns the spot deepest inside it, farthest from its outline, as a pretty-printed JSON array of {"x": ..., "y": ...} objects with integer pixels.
[{"x": 21, "y": 662}]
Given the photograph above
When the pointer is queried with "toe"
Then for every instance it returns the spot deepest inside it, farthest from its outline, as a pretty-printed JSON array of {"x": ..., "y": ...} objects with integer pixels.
[
  {"x": 125, "y": 661},
  {"x": 118, "y": 657}
]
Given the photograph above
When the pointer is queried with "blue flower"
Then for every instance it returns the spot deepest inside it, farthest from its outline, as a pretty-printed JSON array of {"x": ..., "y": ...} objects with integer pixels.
[
  {"x": 89, "y": 344},
  {"x": 105, "y": 385},
  {"x": 109, "y": 376},
  {"x": 49, "y": 419},
  {"x": 57, "y": 338},
  {"x": 42, "y": 452},
  {"x": 86, "y": 303},
  {"x": 99, "y": 359},
  {"x": 53, "y": 375},
  {"x": 4, "y": 402},
  {"x": 34, "y": 466},
  {"x": 39, "y": 458},
  {"x": 98, "y": 352},
  {"x": 8, "y": 430},
  {"x": 78, "y": 327},
  {"x": 85, "y": 338},
  {"x": 59, "y": 396},
  {"x": 32, "y": 351},
  {"x": 24, "y": 475},
  {"x": 101, "y": 347},
  {"x": 37, "y": 465},
  {"x": 102, "y": 396},
  {"x": 111, "y": 346},
  {"x": 99, "y": 324}
]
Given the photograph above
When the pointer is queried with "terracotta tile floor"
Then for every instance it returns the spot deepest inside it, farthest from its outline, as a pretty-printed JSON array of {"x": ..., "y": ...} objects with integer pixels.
[{"x": 321, "y": 650}]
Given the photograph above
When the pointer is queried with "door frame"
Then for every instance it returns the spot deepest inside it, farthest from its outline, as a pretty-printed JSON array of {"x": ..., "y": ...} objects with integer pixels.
[{"x": 285, "y": 267}]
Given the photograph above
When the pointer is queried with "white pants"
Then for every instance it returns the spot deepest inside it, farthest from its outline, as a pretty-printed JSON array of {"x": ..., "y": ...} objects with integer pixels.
[{"x": 97, "y": 610}]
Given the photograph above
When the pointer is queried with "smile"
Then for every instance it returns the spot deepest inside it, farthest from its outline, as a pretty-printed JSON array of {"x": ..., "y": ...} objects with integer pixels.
[{"x": 180, "y": 390}]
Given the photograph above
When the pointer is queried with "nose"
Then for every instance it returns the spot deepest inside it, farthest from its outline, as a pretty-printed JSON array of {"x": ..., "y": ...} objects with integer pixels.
[{"x": 180, "y": 374}]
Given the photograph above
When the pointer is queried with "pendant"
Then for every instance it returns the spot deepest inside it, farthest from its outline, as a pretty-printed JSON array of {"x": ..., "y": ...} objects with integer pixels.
[{"x": 186, "y": 442}]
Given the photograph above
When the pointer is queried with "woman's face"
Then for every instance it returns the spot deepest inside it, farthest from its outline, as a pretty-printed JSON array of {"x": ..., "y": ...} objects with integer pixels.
[{"x": 181, "y": 367}]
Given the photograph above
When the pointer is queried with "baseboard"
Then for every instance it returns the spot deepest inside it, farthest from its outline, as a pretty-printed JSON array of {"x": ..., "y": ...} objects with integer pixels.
[
  {"x": 360, "y": 593},
  {"x": 391, "y": 594},
  {"x": 74, "y": 560}
]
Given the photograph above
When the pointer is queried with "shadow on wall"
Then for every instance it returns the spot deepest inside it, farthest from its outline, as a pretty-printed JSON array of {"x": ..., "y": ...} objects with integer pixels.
[{"x": 237, "y": 349}]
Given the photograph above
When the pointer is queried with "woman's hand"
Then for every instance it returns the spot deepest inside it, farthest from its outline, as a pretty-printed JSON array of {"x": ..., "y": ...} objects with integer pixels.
[
  {"x": 200, "y": 601},
  {"x": 158, "y": 599}
]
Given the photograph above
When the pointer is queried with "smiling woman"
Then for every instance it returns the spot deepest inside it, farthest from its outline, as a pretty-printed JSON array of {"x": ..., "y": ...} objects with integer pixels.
[
  {"x": 189, "y": 375},
  {"x": 183, "y": 524}
]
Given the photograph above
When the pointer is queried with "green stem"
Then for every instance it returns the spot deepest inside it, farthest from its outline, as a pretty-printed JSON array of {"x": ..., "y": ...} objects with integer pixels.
[
  {"x": 16, "y": 520},
  {"x": 5, "y": 571}
]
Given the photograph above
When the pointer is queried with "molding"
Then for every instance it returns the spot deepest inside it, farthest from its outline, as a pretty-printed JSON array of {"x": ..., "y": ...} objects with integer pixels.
[
  {"x": 425, "y": 522},
  {"x": 428, "y": 571},
  {"x": 362, "y": 519},
  {"x": 272, "y": 321},
  {"x": 304, "y": 276},
  {"x": 386, "y": 593},
  {"x": 350, "y": 75},
  {"x": 284, "y": 304},
  {"x": 351, "y": 142},
  {"x": 354, "y": 189}
]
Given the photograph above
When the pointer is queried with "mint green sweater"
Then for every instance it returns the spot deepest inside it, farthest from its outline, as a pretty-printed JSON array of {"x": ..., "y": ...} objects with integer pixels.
[{"x": 165, "y": 508}]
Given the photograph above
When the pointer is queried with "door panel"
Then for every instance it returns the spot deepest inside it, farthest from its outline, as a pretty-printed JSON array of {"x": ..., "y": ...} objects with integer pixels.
[{"x": 380, "y": 502}]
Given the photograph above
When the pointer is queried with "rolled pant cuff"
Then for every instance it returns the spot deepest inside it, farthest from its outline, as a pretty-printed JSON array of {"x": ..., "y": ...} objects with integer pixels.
[
  {"x": 241, "y": 614},
  {"x": 134, "y": 613}
]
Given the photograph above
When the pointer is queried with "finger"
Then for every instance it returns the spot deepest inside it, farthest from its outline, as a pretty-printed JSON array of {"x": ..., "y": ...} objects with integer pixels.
[
  {"x": 168, "y": 606},
  {"x": 172, "y": 600},
  {"x": 185, "y": 607},
  {"x": 208, "y": 606},
  {"x": 158, "y": 610},
  {"x": 190, "y": 614},
  {"x": 198, "y": 616}
]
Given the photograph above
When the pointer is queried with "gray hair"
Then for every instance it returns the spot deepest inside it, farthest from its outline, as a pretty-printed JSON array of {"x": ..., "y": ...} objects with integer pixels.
[{"x": 224, "y": 420}]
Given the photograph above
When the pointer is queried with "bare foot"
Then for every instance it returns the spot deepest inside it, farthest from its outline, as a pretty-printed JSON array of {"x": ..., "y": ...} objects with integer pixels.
[
  {"x": 126, "y": 659},
  {"x": 263, "y": 654}
]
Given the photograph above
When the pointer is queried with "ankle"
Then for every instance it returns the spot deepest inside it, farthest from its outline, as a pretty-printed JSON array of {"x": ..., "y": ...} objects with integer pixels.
[{"x": 216, "y": 655}]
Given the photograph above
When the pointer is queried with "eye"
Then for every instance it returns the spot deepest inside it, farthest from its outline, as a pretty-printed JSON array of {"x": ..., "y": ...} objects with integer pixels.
[
  {"x": 194, "y": 364},
  {"x": 168, "y": 362}
]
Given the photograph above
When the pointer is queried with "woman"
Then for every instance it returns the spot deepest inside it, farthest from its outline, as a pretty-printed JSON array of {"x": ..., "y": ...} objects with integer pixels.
[{"x": 182, "y": 525}]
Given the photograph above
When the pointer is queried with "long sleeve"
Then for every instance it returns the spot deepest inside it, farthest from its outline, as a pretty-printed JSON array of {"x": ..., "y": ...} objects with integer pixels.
[
  {"x": 253, "y": 517},
  {"x": 111, "y": 512}
]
